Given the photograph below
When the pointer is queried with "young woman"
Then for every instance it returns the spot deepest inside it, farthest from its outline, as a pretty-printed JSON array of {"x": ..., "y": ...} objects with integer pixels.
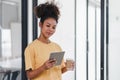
[{"x": 38, "y": 65}]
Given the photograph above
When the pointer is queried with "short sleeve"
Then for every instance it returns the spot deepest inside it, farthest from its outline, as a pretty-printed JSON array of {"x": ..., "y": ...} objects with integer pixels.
[{"x": 29, "y": 58}]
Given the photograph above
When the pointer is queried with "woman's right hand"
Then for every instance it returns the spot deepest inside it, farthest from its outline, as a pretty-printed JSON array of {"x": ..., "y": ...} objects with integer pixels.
[{"x": 49, "y": 63}]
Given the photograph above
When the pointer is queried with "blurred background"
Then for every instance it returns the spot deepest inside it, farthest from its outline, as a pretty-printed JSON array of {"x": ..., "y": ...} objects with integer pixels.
[{"x": 88, "y": 31}]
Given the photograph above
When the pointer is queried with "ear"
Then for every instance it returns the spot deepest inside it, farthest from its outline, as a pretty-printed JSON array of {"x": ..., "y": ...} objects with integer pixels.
[{"x": 40, "y": 24}]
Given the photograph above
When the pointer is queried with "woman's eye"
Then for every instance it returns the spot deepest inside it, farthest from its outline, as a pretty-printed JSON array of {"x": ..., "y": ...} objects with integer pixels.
[
  {"x": 53, "y": 27},
  {"x": 48, "y": 26}
]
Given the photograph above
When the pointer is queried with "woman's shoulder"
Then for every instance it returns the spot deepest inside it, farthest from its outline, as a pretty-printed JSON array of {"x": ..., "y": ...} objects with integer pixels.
[{"x": 32, "y": 44}]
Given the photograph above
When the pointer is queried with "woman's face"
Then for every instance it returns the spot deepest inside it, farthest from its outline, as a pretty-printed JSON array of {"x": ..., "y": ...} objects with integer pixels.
[{"x": 48, "y": 27}]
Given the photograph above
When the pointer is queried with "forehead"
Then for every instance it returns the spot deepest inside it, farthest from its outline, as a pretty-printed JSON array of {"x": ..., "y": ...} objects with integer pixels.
[{"x": 50, "y": 21}]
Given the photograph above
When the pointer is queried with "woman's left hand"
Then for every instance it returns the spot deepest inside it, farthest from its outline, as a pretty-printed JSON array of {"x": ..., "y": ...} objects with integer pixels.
[{"x": 70, "y": 64}]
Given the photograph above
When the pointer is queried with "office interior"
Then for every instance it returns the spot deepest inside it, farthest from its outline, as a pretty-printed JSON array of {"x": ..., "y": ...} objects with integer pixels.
[{"x": 88, "y": 31}]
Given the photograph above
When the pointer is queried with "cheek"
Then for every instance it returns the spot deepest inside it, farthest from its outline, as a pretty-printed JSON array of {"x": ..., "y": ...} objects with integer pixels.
[
  {"x": 54, "y": 31},
  {"x": 43, "y": 30}
]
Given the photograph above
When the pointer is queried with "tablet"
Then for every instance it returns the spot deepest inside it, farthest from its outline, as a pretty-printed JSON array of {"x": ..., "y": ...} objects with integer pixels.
[{"x": 58, "y": 56}]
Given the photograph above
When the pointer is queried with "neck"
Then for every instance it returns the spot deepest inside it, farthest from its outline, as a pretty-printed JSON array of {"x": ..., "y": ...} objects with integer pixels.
[{"x": 43, "y": 39}]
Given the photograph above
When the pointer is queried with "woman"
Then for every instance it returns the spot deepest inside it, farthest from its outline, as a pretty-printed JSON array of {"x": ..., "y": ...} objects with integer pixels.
[{"x": 38, "y": 65}]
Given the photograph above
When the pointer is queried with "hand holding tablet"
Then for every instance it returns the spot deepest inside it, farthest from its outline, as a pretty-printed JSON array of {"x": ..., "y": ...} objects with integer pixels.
[{"x": 58, "y": 56}]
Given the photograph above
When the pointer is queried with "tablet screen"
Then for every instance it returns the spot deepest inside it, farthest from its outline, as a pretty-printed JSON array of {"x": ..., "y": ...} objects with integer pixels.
[{"x": 58, "y": 56}]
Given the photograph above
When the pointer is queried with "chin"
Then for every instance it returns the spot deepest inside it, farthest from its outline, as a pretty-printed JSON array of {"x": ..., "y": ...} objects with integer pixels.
[{"x": 48, "y": 36}]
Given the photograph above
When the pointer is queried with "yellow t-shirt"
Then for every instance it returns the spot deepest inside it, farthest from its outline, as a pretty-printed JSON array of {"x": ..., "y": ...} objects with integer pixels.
[{"x": 36, "y": 54}]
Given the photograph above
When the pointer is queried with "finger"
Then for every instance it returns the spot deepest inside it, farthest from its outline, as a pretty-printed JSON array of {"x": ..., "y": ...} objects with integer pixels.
[{"x": 53, "y": 60}]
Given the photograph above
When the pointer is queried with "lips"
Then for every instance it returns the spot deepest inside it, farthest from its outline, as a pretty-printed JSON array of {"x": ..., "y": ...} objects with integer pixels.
[{"x": 49, "y": 33}]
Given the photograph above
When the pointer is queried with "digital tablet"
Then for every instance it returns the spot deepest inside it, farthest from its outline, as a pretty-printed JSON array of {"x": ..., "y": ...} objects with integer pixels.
[{"x": 58, "y": 56}]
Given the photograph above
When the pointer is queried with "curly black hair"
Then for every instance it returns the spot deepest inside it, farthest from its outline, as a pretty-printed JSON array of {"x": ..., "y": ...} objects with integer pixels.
[{"x": 46, "y": 10}]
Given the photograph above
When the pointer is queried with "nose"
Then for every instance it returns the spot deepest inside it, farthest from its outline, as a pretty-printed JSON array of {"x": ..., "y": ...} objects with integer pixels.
[{"x": 51, "y": 29}]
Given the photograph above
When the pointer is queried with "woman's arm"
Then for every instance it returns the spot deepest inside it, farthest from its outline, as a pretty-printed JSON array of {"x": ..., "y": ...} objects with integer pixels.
[{"x": 34, "y": 73}]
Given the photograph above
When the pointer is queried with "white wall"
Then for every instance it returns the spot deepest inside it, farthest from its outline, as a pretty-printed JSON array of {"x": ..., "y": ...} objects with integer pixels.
[
  {"x": 114, "y": 42},
  {"x": 81, "y": 40}
]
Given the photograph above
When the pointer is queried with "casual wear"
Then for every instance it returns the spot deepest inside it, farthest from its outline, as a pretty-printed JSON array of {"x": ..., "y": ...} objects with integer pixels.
[{"x": 36, "y": 53}]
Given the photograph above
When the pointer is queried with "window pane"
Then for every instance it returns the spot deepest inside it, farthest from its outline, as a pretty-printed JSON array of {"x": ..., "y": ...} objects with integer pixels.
[
  {"x": 94, "y": 42},
  {"x": 10, "y": 36}
]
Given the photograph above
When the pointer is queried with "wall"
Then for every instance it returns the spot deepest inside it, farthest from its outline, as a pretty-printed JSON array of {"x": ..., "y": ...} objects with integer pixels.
[
  {"x": 81, "y": 40},
  {"x": 114, "y": 40}
]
